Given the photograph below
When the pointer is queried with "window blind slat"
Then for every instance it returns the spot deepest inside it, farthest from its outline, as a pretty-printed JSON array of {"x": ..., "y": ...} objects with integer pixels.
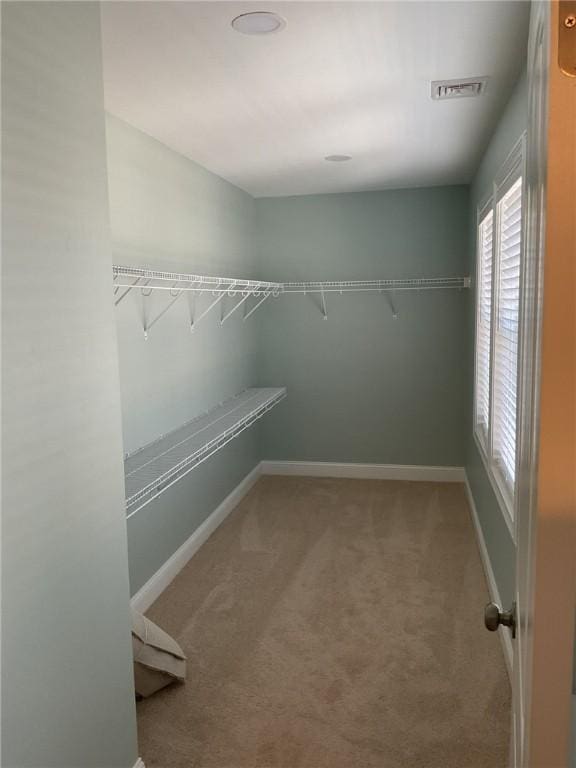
[
  {"x": 506, "y": 332},
  {"x": 485, "y": 258}
]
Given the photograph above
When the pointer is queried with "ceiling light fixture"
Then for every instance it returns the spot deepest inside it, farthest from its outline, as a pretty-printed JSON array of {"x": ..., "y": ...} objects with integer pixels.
[
  {"x": 258, "y": 23},
  {"x": 337, "y": 158}
]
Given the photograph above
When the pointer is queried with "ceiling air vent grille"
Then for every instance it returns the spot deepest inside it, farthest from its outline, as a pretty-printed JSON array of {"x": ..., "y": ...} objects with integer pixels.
[{"x": 458, "y": 89}]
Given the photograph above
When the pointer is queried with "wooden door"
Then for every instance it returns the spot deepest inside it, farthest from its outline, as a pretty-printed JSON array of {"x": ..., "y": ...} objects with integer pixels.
[{"x": 546, "y": 514}]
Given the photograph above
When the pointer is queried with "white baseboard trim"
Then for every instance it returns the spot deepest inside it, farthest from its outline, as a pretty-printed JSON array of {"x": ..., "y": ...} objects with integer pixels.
[
  {"x": 365, "y": 471},
  {"x": 139, "y": 763},
  {"x": 505, "y": 637},
  {"x": 154, "y": 587}
]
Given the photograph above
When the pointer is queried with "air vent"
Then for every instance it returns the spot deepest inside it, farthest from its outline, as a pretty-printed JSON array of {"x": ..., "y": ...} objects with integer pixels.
[{"x": 458, "y": 89}]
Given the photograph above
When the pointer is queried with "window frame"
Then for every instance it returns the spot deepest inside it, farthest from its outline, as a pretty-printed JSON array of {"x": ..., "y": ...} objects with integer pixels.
[{"x": 511, "y": 170}]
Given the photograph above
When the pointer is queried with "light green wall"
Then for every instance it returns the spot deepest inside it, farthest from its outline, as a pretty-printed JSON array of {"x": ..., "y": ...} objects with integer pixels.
[
  {"x": 363, "y": 387},
  {"x": 169, "y": 213},
  {"x": 67, "y": 688},
  {"x": 499, "y": 542}
]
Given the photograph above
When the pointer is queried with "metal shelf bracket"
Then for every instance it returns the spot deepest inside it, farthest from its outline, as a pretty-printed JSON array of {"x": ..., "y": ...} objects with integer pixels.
[
  {"x": 258, "y": 304},
  {"x": 392, "y": 302},
  {"x": 234, "y": 308}
]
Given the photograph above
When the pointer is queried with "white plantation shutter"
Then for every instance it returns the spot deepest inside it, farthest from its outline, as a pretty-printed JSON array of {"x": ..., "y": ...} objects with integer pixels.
[
  {"x": 507, "y": 290},
  {"x": 498, "y": 317},
  {"x": 484, "y": 311}
]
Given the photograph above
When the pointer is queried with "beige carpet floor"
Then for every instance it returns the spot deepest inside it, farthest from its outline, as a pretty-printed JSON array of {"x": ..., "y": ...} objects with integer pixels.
[{"x": 333, "y": 624}]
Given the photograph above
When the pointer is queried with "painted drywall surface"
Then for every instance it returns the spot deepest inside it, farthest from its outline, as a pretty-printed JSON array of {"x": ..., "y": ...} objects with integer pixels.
[
  {"x": 159, "y": 528},
  {"x": 499, "y": 542},
  {"x": 169, "y": 213},
  {"x": 67, "y": 688},
  {"x": 363, "y": 387}
]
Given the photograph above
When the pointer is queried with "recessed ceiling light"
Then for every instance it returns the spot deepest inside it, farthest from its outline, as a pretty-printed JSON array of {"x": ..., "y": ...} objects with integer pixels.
[
  {"x": 258, "y": 23},
  {"x": 337, "y": 158}
]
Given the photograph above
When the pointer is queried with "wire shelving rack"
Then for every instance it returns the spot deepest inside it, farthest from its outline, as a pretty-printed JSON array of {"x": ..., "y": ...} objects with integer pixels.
[
  {"x": 152, "y": 469},
  {"x": 359, "y": 286},
  {"x": 127, "y": 279}
]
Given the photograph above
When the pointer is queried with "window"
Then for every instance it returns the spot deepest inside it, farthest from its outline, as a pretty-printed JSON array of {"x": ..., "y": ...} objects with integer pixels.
[
  {"x": 484, "y": 324},
  {"x": 506, "y": 332},
  {"x": 499, "y": 262}
]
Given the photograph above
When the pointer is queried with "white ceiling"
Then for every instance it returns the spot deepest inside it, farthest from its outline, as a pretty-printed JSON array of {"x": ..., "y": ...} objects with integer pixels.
[{"x": 341, "y": 78}]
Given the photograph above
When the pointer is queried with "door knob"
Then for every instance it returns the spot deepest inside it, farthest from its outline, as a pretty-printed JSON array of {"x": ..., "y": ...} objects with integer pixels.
[{"x": 494, "y": 616}]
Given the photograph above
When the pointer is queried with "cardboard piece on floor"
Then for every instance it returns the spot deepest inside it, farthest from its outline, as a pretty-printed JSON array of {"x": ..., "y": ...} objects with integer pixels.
[{"x": 158, "y": 659}]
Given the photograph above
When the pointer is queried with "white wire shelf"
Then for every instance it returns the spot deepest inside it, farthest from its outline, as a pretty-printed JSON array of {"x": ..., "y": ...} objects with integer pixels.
[
  {"x": 150, "y": 470},
  {"x": 150, "y": 279},
  {"x": 346, "y": 286},
  {"x": 253, "y": 292}
]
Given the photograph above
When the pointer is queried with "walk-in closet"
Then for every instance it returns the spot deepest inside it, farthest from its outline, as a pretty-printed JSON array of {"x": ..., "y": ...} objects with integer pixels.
[{"x": 277, "y": 297}]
